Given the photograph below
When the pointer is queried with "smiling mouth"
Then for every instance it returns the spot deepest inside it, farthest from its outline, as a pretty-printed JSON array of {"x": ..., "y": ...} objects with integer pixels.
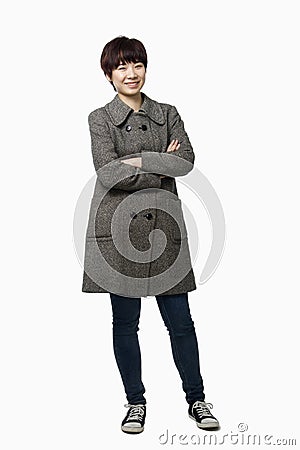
[{"x": 132, "y": 83}]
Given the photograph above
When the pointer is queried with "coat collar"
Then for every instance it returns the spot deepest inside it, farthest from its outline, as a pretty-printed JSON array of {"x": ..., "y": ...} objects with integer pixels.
[{"x": 118, "y": 110}]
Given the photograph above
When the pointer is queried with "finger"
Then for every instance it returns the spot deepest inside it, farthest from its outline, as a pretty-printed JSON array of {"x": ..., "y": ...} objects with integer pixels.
[{"x": 172, "y": 144}]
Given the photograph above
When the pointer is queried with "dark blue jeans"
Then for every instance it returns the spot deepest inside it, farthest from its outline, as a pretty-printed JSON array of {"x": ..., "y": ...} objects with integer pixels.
[{"x": 175, "y": 313}]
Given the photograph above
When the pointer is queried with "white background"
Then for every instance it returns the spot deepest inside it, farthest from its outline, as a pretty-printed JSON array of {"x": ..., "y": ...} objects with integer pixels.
[{"x": 232, "y": 70}]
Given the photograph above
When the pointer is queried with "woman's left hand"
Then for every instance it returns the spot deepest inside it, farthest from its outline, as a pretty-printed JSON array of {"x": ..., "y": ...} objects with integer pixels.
[{"x": 174, "y": 145}]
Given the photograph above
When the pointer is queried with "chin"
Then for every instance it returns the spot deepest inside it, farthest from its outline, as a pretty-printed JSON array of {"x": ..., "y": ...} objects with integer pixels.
[{"x": 137, "y": 91}]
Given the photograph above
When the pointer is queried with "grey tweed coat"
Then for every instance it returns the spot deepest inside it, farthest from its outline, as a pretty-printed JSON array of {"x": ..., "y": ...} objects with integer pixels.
[{"x": 136, "y": 242}]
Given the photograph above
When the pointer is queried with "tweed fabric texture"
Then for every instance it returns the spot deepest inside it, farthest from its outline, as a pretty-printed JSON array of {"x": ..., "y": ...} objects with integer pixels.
[{"x": 125, "y": 253}]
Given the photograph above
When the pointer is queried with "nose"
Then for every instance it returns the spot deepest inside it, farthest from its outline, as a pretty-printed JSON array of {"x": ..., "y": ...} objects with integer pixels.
[{"x": 131, "y": 72}]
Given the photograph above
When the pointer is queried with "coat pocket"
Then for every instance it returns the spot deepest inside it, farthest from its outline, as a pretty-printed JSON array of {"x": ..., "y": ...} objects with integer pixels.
[
  {"x": 99, "y": 223},
  {"x": 99, "y": 238},
  {"x": 178, "y": 230}
]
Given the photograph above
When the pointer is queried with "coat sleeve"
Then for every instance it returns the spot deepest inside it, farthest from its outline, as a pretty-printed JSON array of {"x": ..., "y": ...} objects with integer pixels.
[
  {"x": 176, "y": 163},
  {"x": 112, "y": 172}
]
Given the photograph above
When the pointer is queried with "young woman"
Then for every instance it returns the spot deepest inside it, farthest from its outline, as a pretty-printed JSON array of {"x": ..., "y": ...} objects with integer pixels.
[{"x": 139, "y": 146}]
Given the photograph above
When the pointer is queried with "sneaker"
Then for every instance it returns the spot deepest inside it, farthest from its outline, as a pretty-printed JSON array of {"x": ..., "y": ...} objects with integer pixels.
[
  {"x": 199, "y": 411},
  {"x": 134, "y": 419}
]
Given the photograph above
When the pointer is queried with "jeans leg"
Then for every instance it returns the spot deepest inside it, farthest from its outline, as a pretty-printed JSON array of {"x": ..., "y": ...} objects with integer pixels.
[
  {"x": 126, "y": 314},
  {"x": 175, "y": 312}
]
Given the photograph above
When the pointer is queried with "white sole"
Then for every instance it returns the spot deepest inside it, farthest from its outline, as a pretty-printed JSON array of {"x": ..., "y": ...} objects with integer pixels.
[
  {"x": 205, "y": 425},
  {"x": 132, "y": 430}
]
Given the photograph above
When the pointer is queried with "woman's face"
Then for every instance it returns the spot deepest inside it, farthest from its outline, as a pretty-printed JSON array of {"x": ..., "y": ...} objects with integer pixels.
[{"x": 128, "y": 78}]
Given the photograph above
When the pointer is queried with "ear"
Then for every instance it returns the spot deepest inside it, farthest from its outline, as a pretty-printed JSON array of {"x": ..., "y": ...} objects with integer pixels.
[{"x": 109, "y": 79}]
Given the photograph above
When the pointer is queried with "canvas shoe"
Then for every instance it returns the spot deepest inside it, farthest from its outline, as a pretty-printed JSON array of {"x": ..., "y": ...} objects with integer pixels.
[
  {"x": 200, "y": 412},
  {"x": 134, "y": 419}
]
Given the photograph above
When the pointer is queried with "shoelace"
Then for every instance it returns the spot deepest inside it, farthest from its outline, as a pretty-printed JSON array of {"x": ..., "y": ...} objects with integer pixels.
[
  {"x": 202, "y": 408},
  {"x": 136, "y": 412}
]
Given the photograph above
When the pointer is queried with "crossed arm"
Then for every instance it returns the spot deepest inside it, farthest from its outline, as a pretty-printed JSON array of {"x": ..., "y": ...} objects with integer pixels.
[
  {"x": 144, "y": 171},
  {"x": 137, "y": 162},
  {"x": 180, "y": 146}
]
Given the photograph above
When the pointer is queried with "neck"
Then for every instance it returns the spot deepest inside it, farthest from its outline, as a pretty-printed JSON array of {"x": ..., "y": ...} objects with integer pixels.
[{"x": 134, "y": 101}]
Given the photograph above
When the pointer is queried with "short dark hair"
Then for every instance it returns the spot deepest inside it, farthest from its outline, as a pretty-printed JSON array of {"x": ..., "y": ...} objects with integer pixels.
[{"x": 121, "y": 50}]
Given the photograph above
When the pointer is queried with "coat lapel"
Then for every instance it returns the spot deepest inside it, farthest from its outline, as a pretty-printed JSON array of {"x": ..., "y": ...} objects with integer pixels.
[{"x": 118, "y": 110}]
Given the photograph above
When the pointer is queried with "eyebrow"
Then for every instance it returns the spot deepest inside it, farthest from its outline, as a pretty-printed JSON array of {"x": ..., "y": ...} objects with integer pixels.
[{"x": 124, "y": 63}]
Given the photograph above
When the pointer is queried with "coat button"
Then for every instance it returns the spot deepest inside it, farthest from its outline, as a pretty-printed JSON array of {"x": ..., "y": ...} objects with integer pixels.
[
  {"x": 133, "y": 215},
  {"x": 148, "y": 216},
  {"x": 143, "y": 127},
  {"x": 128, "y": 127}
]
